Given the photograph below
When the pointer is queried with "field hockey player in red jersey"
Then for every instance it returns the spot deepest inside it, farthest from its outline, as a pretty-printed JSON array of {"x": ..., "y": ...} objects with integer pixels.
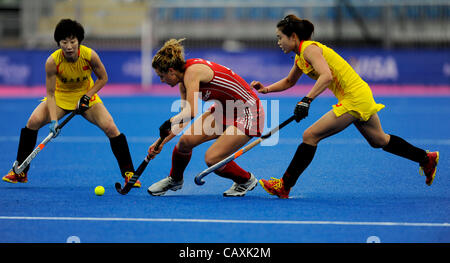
[{"x": 235, "y": 117}]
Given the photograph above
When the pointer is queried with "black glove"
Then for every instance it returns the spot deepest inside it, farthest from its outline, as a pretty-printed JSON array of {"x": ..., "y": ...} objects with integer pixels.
[
  {"x": 83, "y": 104},
  {"x": 302, "y": 108},
  {"x": 164, "y": 129}
]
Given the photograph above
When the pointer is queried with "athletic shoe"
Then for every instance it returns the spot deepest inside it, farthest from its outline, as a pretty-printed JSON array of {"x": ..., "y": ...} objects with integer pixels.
[
  {"x": 241, "y": 189},
  {"x": 12, "y": 177},
  {"x": 128, "y": 176},
  {"x": 275, "y": 187},
  {"x": 161, "y": 187},
  {"x": 429, "y": 169}
]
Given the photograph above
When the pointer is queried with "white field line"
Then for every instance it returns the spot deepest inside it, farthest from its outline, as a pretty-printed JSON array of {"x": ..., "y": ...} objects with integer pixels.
[{"x": 228, "y": 221}]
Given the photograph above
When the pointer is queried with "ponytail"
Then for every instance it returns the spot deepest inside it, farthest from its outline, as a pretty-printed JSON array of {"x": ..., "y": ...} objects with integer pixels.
[
  {"x": 292, "y": 24},
  {"x": 171, "y": 55}
]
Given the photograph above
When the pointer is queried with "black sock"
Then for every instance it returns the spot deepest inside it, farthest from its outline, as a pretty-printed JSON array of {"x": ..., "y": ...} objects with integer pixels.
[
  {"x": 27, "y": 142},
  {"x": 402, "y": 148},
  {"x": 119, "y": 146},
  {"x": 302, "y": 158}
]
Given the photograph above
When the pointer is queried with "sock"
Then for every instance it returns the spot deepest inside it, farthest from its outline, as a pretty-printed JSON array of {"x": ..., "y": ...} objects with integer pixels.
[
  {"x": 179, "y": 163},
  {"x": 234, "y": 172},
  {"x": 27, "y": 142},
  {"x": 402, "y": 148},
  {"x": 302, "y": 158},
  {"x": 119, "y": 147}
]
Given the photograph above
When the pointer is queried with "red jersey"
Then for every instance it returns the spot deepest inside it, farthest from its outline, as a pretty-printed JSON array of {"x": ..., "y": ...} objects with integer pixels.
[
  {"x": 229, "y": 86},
  {"x": 225, "y": 85}
]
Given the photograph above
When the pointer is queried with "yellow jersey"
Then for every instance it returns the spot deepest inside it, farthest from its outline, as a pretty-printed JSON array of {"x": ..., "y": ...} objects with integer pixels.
[
  {"x": 73, "y": 79},
  {"x": 353, "y": 93}
]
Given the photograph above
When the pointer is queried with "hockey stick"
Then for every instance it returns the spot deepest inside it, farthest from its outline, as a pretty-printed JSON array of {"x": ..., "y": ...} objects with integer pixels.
[
  {"x": 199, "y": 178},
  {"x": 18, "y": 169},
  {"x": 127, "y": 187}
]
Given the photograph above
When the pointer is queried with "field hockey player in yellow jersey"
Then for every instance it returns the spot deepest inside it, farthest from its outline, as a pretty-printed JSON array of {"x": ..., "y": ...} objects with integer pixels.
[
  {"x": 356, "y": 105},
  {"x": 70, "y": 87}
]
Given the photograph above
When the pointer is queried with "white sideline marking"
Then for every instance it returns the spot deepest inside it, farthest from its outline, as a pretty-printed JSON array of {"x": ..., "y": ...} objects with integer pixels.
[{"x": 228, "y": 221}]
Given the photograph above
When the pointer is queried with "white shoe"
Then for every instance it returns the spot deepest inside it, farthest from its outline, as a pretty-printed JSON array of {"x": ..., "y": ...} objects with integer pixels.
[
  {"x": 241, "y": 189},
  {"x": 161, "y": 187}
]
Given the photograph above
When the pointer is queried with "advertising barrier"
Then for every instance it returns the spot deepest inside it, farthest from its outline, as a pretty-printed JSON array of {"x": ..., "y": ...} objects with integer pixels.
[{"x": 376, "y": 66}]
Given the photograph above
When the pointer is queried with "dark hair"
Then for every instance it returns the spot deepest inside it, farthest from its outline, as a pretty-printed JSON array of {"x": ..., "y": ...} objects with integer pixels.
[
  {"x": 292, "y": 24},
  {"x": 68, "y": 28}
]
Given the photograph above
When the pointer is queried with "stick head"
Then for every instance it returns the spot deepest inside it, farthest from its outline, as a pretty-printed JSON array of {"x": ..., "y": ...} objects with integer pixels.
[
  {"x": 15, "y": 168},
  {"x": 119, "y": 188},
  {"x": 198, "y": 180}
]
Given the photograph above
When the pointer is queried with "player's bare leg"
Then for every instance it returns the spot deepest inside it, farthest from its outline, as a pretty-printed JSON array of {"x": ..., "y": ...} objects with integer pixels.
[
  {"x": 195, "y": 135},
  {"x": 328, "y": 125},
  {"x": 99, "y": 116},
  {"x": 232, "y": 140},
  {"x": 28, "y": 136},
  {"x": 374, "y": 134},
  {"x": 203, "y": 130}
]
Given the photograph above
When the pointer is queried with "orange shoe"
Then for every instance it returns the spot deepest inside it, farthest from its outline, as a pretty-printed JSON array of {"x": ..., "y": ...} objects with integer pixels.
[
  {"x": 275, "y": 187},
  {"x": 429, "y": 169},
  {"x": 14, "y": 178},
  {"x": 128, "y": 175}
]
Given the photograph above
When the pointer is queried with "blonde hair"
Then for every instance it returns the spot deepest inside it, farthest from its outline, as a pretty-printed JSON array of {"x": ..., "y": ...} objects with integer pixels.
[{"x": 171, "y": 55}]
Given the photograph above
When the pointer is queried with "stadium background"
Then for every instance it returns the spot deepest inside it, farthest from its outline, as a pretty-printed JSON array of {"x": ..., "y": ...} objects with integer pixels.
[{"x": 402, "y": 44}]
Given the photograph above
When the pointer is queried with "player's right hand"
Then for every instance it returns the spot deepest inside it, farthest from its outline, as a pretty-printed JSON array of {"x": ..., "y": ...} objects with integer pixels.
[
  {"x": 83, "y": 104},
  {"x": 258, "y": 87},
  {"x": 152, "y": 152}
]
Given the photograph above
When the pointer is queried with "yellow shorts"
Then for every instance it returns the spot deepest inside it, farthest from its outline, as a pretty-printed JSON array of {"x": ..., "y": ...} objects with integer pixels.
[
  {"x": 70, "y": 102},
  {"x": 359, "y": 104}
]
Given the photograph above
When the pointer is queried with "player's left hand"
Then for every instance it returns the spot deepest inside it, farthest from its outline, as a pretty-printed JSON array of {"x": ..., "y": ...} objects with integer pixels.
[
  {"x": 302, "y": 108},
  {"x": 259, "y": 87},
  {"x": 83, "y": 104},
  {"x": 53, "y": 128}
]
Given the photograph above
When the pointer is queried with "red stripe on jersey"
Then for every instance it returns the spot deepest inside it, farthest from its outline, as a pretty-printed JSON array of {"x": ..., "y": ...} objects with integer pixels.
[{"x": 225, "y": 85}]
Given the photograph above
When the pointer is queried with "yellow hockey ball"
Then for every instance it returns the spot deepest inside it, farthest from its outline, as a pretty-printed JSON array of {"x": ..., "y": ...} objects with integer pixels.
[{"x": 99, "y": 190}]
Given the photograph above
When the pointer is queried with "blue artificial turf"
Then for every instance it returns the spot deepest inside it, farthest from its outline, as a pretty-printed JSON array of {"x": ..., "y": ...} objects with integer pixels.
[{"x": 349, "y": 193}]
